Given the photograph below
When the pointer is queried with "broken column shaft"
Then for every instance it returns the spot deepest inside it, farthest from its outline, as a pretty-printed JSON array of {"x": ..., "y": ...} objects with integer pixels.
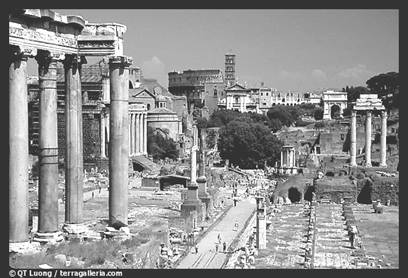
[
  {"x": 260, "y": 223},
  {"x": 383, "y": 148},
  {"x": 119, "y": 141},
  {"x": 202, "y": 180}
]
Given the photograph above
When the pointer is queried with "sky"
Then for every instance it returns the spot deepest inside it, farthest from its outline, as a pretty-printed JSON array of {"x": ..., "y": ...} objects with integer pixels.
[{"x": 296, "y": 50}]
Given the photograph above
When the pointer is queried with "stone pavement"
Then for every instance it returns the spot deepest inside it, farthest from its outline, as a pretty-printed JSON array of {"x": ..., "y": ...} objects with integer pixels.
[
  {"x": 207, "y": 257},
  {"x": 332, "y": 245},
  {"x": 285, "y": 239}
]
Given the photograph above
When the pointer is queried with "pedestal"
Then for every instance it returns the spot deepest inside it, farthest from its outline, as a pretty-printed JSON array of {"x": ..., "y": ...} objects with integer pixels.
[{"x": 48, "y": 237}]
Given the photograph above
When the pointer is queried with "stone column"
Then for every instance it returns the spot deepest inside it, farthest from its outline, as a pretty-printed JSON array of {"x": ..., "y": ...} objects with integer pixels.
[
  {"x": 132, "y": 133},
  {"x": 48, "y": 187},
  {"x": 137, "y": 115},
  {"x": 202, "y": 180},
  {"x": 368, "y": 140},
  {"x": 193, "y": 165},
  {"x": 281, "y": 158},
  {"x": 103, "y": 124},
  {"x": 73, "y": 141},
  {"x": 383, "y": 147},
  {"x": 119, "y": 141},
  {"x": 353, "y": 139},
  {"x": 145, "y": 133},
  {"x": 18, "y": 145},
  {"x": 260, "y": 224},
  {"x": 141, "y": 134}
]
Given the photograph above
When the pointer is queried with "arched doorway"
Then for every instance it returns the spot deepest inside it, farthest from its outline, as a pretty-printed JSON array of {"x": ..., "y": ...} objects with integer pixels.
[
  {"x": 365, "y": 194},
  {"x": 309, "y": 193},
  {"x": 335, "y": 111},
  {"x": 294, "y": 195}
]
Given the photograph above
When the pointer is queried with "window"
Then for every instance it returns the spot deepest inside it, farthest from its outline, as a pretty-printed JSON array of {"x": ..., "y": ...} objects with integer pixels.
[
  {"x": 148, "y": 106},
  {"x": 215, "y": 92},
  {"x": 342, "y": 137},
  {"x": 236, "y": 99}
]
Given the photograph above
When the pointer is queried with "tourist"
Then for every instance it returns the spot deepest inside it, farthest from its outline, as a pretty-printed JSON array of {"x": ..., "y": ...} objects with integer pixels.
[
  {"x": 224, "y": 247},
  {"x": 196, "y": 248},
  {"x": 216, "y": 247}
]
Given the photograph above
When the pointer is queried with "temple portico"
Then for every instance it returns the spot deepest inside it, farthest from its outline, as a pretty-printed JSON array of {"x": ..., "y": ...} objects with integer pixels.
[
  {"x": 137, "y": 129},
  {"x": 51, "y": 39},
  {"x": 288, "y": 160},
  {"x": 368, "y": 103}
]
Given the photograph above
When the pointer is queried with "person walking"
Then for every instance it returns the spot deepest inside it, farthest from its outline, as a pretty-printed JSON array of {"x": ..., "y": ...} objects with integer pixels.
[
  {"x": 216, "y": 247},
  {"x": 224, "y": 247},
  {"x": 196, "y": 248}
]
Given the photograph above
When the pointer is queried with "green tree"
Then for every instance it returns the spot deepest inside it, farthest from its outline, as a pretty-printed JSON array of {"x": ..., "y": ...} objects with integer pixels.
[
  {"x": 159, "y": 146},
  {"x": 353, "y": 93},
  {"x": 248, "y": 144}
]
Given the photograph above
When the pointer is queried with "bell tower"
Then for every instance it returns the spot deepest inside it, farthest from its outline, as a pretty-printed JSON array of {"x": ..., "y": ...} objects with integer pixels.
[{"x": 229, "y": 69}]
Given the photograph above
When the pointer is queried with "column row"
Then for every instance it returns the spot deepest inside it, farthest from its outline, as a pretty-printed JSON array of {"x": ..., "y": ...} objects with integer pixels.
[
  {"x": 48, "y": 155},
  {"x": 353, "y": 139},
  {"x": 137, "y": 133}
]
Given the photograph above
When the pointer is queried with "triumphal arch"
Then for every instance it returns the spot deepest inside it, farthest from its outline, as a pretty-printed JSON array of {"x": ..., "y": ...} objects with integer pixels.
[
  {"x": 333, "y": 100},
  {"x": 51, "y": 38}
]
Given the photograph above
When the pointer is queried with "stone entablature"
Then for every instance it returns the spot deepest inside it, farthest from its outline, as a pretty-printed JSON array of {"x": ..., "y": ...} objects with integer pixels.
[
  {"x": 101, "y": 39},
  {"x": 368, "y": 102},
  {"x": 52, "y": 32}
]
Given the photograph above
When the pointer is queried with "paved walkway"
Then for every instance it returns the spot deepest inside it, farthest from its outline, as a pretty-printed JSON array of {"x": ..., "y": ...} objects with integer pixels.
[
  {"x": 207, "y": 257},
  {"x": 332, "y": 246},
  {"x": 285, "y": 239}
]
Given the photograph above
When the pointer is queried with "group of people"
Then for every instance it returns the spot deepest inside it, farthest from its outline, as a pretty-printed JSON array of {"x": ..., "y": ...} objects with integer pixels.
[{"x": 218, "y": 243}]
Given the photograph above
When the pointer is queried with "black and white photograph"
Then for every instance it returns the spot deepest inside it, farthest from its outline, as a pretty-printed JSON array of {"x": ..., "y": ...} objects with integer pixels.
[{"x": 202, "y": 139}]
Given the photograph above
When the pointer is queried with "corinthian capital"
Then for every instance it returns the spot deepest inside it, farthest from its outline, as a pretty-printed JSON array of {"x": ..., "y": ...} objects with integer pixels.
[
  {"x": 45, "y": 58},
  {"x": 18, "y": 53},
  {"x": 120, "y": 61}
]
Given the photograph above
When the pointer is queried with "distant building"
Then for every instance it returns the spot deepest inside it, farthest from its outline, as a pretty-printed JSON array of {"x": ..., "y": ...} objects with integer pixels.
[
  {"x": 190, "y": 83},
  {"x": 229, "y": 69},
  {"x": 214, "y": 92},
  {"x": 333, "y": 102},
  {"x": 239, "y": 98},
  {"x": 313, "y": 98}
]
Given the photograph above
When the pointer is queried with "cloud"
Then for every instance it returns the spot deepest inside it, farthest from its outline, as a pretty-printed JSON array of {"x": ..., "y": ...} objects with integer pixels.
[
  {"x": 154, "y": 68},
  {"x": 319, "y": 74},
  {"x": 356, "y": 72}
]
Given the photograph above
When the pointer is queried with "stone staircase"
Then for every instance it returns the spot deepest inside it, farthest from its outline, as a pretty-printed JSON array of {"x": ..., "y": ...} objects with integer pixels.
[{"x": 285, "y": 239}]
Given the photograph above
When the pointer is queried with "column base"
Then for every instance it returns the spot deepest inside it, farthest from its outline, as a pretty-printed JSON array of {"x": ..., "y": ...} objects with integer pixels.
[
  {"x": 48, "y": 237},
  {"x": 122, "y": 234},
  {"x": 384, "y": 165},
  {"x": 24, "y": 247},
  {"x": 353, "y": 164},
  {"x": 189, "y": 206},
  {"x": 368, "y": 165}
]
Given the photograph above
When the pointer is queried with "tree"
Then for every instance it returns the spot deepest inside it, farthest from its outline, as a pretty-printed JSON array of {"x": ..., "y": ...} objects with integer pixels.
[
  {"x": 248, "y": 144},
  {"x": 275, "y": 124},
  {"x": 385, "y": 84},
  {"x": 318, "y": 113},
  {"x": 284, "y": 114},
  {"x": 159, "y": 146},
  {"x": 353, "y": 93}
]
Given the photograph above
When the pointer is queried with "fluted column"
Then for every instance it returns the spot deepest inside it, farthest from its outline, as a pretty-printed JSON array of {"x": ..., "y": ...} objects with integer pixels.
[
  {"x": 145, "y": 133},
  {"x": 119, "y": 141},
  {"x": 353, "y": 138},
  {"x": 383, "y": 147},
  {"x": 132, "y": 133},
  {"x": 18, "y": 144},
  {"x": 73, "y": 141},
  {"x": 368, "y": 140},
  {"x": 48, "y": 188},
  {"x": 137, "y": 115},
  {"x": 140, "y": 134}
]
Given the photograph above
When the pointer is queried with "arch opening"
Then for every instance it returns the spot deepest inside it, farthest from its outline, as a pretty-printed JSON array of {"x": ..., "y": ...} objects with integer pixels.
[
  {"x": 294, "y": 195},
  {"x": 335, "y": 111}
]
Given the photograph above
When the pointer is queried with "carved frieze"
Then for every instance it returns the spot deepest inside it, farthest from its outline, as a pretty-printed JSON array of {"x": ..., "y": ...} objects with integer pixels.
[{"x": 46, "y": 37}]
